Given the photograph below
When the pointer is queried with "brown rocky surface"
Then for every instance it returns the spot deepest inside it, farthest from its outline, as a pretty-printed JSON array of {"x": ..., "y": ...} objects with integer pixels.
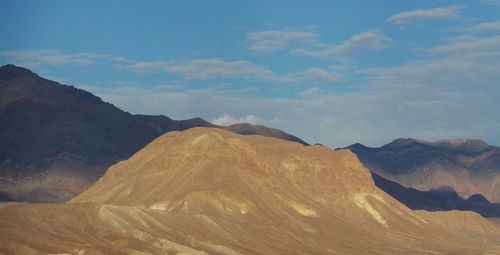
[{"x": 209, "y": 191}]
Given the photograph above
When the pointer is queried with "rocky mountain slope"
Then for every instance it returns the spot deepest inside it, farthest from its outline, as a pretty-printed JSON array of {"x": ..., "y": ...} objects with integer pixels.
[
  {"x": 57, "y": 140},
  {"x": 440, "y": 199},
  {"x": 210, "y": 191},
  {"x": 468, "y": 166}
]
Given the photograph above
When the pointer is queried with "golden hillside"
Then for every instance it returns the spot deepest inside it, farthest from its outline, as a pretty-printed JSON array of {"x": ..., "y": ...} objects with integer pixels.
[{"x": 209, "y": 191}]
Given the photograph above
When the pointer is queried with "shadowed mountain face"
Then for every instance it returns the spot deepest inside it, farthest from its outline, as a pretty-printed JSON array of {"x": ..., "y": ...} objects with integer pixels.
[
  {"x": 468, "y": 166},
  {"x": 56, "y": 140},
  {"x": 440, "y": 199},
  {"x": 210, "y": 191}
]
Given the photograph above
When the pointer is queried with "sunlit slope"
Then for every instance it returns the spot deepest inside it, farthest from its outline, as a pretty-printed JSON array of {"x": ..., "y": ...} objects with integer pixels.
[
  {"x": 211, "y": 191},
  {"x": 253, "y": 179},
  {"x": 466, "y": 224}
]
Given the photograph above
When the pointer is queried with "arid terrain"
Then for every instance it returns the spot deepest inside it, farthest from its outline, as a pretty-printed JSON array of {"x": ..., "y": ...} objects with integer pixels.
[
  {"x": 469, "y": 166},
  {"x": 210, "y": 191},
  {"x": 249, "y": 127}
]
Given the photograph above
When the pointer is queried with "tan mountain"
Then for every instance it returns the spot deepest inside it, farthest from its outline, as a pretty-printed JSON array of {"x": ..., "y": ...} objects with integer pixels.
[{"x": 210, "y": 191}]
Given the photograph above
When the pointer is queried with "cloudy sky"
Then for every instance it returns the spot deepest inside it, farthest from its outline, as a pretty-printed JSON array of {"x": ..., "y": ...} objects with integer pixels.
[{"x": 332, "y": 72}]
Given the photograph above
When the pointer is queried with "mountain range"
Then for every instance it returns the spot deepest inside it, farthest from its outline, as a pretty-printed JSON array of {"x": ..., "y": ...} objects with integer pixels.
[
  {"x": 440, "y": 199},
  {"x": 211, "y": 191},
  {"x": 141, "y": 184},
  {"x": 468, "y": 166},
  {"x": 57, "y": 140}
]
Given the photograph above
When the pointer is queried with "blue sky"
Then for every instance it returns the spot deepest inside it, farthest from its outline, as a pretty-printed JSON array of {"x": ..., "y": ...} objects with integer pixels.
[{"x": 332, "y": 72}]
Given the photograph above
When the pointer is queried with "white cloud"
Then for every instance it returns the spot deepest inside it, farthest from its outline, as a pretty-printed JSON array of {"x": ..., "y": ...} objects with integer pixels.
[
  {"x": 451, "y": 92},
  {"x": 469, "y": 45},
  {"x": 490, "y": 2},
  {"x": 462, "y": 66},
  {"x": 329, "y": 74},
  {"x": 310, "y": 92},
  {"x": 448, "y": 94},
  {"x": 482, "y": 27},
  {"x": 204, "y": 69},
  {"x": 449, "y": 12},
  {"x": 227, "y": 120},
  {"x": 35, "y": 58},
  {"x": 369, "y": 40},
  {"x": 264, "y": 42},
  {"x": 195, "y": 69},
  {"x": 149, "y": 66},
  {"x": 430, "y": 99}
]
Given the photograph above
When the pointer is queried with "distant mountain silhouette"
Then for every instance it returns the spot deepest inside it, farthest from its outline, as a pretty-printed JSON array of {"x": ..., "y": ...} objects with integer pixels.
[
  {"x": 249, "y": 129},
  {"x": 469, "y": 166},
  {"x": 56, "y": 140},
  {"x": 439, "y": 199}
]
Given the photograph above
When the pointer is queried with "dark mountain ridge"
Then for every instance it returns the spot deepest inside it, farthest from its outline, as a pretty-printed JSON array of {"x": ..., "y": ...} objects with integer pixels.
[
  {"x": 439, "y": 199},
  {"x": 56, "y": 140},
  {"x": 249, "y": 129},
  {"x": 469, "y": 166}
]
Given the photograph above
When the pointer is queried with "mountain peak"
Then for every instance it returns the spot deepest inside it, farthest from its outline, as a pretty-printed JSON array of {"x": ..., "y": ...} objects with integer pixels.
[
  {"x": 359, "y": 146},
  {"x": 462, "y": 145},
  {"x": 244, "y": 124},
  {"x": 197, "y": 119},
  {"x": 478, "y": 198},
  {"x": 11, "y": 71},
  {"x": 250, "y": 129},
  {"x": 213, "y": 154},
  {"x": 402, "y": 142}
]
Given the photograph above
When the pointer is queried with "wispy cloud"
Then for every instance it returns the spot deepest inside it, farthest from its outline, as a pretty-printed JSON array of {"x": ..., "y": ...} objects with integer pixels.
[
  {"x": 194, "y": 69},
  {"x": 369, "y": 40},
  {"x": 449, "y": 93},
  {"x": 264, "y": 42},
  {"x": 425, "y": 100},
  {"x": 328, "y": 74},
  {"x": 205, "y": 69},
  {"x": 226, "y": 120},
  {"x": 489, "y": 2},
  {"x": 202, "y": 69},
  {"x": 34, "y": 58},
  {"x": 449, "y": 12},
  {"x": 469, "y": 45},
  {"x": 482, "y": 27},
  {"x": 463, "y": 64}
]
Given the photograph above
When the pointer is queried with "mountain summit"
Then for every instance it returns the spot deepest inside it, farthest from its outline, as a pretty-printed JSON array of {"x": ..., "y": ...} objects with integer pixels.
[
  {"x": 249, "y": 129},
  {"x": 8, "y": 72}
]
